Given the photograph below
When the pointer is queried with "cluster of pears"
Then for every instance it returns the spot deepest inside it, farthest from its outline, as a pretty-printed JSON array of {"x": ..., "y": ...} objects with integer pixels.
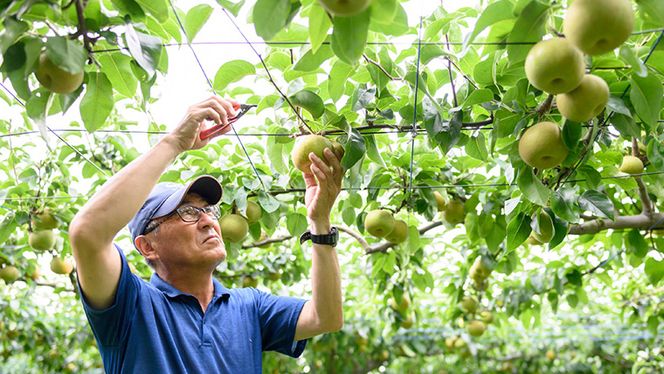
[
  {"x": 478, "y": 322},
  {"x": 453, "y": 211},
  {"x": 316, "y": 144},
  {"x": 345, "y": 8},
  {"x": 42, "y": 236},
  {"x": 234, "y": 227},
  {"x": 543, "y": 229},
  {"x": 557, "y": 67},
  {"x": 382, "y": 224}
]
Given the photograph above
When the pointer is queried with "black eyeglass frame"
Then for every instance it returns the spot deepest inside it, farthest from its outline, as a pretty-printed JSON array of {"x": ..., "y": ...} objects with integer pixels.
[{"x": 211, "y": 210}]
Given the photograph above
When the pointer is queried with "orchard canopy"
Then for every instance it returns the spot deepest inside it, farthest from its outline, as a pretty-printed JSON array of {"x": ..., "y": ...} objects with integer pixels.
[{"x": 521, "y": 183}]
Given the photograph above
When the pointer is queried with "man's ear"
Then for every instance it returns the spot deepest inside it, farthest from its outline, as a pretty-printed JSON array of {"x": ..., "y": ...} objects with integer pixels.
[{"x": 144, "y": 245}]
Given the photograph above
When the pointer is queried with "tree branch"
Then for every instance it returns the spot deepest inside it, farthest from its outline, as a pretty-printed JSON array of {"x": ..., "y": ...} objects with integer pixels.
[
  {"x": 640, "y": 221},
  {"x": 646, "y": 204},
  {"x": 379, "y": 66},
  {"x": 267, "y": 241},
  {"x": 360, "y": 239},
  {"x": 544, "y": 107}
]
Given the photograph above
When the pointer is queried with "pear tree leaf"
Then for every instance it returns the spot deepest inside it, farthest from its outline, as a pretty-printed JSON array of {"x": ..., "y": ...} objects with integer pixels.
[
  {"x": 309, "y": 101},
  {"x": 518, "y": 230},
  {"x": 232, "y": 71},
  {"x": 532, "y": 188},
  {"x": 654, "y": 270},
  {"x": 493, "y": 13},
  {"x": 349, "y": 36},
  {"x": 270, "y": 16},
  {"x": 319, "y": 24},
  {"x": 529, "y": 27},
  {"x": 646, "y": 95},
  {"x": 97, "y": 103},
  {"x": 195, "y": 19},
  {"x": 597, "y": 203}
]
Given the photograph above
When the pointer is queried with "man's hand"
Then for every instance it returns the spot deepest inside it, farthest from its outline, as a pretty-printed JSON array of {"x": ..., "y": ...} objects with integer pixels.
[
  {"x": 185, "y": 136},
  {"x": 323, "y": 187}
]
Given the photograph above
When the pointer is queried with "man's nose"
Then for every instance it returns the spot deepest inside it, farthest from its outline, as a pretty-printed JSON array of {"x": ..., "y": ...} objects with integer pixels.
[{"x": 206, "y": 220}]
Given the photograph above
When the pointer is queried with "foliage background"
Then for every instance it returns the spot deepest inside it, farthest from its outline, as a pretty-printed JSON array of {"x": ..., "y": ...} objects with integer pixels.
[{"x": 426, "y": 104}]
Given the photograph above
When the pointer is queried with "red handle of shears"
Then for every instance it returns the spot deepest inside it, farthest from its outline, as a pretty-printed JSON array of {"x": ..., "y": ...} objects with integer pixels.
[{"x": 219, "y": 129}]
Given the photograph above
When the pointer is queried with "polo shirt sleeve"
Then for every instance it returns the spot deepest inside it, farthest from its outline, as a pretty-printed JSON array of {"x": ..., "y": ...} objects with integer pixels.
[
  {"x": 278, "y": 317},
  {"x": 111, "y": 325}
]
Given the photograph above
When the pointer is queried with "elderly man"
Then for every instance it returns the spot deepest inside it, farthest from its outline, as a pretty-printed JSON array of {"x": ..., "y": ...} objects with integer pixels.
[{"x": 184, "y": 320}]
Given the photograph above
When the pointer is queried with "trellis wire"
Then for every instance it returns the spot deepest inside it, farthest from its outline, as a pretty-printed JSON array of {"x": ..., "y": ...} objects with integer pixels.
[
  {"x": 54, "y": 133},
  {"x": 232, "y": 42},
  {"x": 413, "y": 133}
]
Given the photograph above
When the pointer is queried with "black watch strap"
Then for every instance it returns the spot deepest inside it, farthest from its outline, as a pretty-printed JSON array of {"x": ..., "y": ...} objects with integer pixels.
[{"x": 326, "y": 239}]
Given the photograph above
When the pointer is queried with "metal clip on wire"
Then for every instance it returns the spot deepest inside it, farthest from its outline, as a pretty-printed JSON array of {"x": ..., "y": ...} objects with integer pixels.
[{"x": 222, "y": 129}]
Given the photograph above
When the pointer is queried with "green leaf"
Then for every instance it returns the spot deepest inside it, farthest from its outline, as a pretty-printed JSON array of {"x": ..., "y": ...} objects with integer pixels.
[
  {"x": 626, "y": 125},
  {"x": 646, "y": 96},
  {"x": 572, "y": 134},
  {"x": 69, "y": 55},
  {"x": 617, "y": 105},
  {"x": 654, "y": 270},
  {"x": 349, "y": 36},
  {"x": 270, "y": 16},
  {"x": 97, "y": 102},
  {"x": 478, "y": 97},
  {"x": 476, "y": 147},
  {"x": 529, "y": 27},
  {"x": 518, "y": 230},
  {"x": 195, "y": 19},
  {"x": 268, "y": 202},
  {"x": 319, "y": 24},
  {"x": 444, "y": 134},
  {"x": 232, "y": 71},
  {"x": 296, "y": 223},
  {"x": 337, "y": 79},
  {"x": 629, "y": 56},
  {"x": 493, "y": 13},
  {"x": 158, "y": 8},
  {"x": 129, "y": 7},
  {"x": 653, "y": 10},
  {"x": 592, "y": 177},
  {"x": 384, "y": 11},
  {"x": 354, "y": 147},
  {"x": 233, "y": 7},
  {"x": 145, "y": 49},
  {"x": 597, "y": 203},
  {"x": 313, "y": 60},
  {"x": 636, "y": 244},
  {"x": 117, "y": 67},
  {"x": 309, "y": 101},
  {"x": 532, "y": 188}
]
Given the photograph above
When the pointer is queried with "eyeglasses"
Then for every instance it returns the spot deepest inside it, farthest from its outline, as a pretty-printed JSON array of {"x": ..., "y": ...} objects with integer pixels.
[{"x": 187, "y": 213}]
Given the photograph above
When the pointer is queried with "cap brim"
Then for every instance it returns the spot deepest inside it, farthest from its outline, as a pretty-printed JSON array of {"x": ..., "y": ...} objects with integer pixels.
[{"x": 205, "y": 186}]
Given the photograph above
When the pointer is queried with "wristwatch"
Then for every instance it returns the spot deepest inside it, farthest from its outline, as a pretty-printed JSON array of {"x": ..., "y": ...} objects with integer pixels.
[{"x": 328, "y": 239}]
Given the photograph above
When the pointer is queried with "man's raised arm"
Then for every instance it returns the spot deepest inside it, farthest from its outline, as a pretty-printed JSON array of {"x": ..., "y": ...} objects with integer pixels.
[{"x": 94, "y": 227}]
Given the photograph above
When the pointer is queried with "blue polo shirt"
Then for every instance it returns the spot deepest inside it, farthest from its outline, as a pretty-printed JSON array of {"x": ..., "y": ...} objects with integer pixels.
[{"x": 155, "y": 328}]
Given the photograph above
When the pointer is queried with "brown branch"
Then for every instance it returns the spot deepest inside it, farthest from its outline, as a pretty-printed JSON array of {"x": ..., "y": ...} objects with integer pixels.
[
  {"x": 449, "y": 71},
  {"x": 646, "y": 204},
  {"x": 640, "y": 221},
  {"x": 267, "y": 241},
  {"x": 82, "y": 29},
  {"x": 545, "y": 107},
  {"x": 379, "y": 66},
  {"x": 408, "y": 128},
  {"x": 360, "y": 239},
  {"x": 54, "y": 286},
  {"x": 269, "y": 75}
]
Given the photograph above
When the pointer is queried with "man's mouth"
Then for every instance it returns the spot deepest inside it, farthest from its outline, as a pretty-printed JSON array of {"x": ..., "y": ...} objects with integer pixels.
[{"x": 210, "y": 237}]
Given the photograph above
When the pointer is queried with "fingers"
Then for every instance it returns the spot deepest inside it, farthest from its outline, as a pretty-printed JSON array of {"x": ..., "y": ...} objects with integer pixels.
[
  {"x": 223, "y": 109},
  {"x": 333, "y": 161}
]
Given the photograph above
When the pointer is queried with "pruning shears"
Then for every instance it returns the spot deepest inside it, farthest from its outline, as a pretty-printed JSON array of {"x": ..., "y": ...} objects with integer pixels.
[{"x": 221, "y": 128}]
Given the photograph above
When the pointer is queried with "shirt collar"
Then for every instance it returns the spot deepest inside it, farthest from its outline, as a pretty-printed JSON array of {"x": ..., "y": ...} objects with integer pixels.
[{"x": 170, "y": 291}]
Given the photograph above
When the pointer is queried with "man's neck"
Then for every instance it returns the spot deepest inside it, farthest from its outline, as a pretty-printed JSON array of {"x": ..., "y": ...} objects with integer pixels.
[{"x": 196, "y": 283}]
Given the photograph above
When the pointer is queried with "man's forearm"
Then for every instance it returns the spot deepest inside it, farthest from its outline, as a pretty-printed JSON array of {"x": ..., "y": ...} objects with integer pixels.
[
  {"x": 326, "y": 283},
  {"x": 122, "y": 196}
]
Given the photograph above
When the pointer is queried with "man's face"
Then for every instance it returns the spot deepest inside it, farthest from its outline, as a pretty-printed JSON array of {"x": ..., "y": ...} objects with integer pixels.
[{"x": 195, "y": 244}]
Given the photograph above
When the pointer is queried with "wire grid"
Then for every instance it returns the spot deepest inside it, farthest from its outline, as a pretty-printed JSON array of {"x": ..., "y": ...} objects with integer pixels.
[{"x": 413, "y": 130}]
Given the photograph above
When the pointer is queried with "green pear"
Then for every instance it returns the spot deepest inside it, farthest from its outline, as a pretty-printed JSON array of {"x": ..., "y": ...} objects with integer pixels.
[
  {"x": 54, "y": 78},
  {"x": 598, "y": 26},
  {"x": 44, "y": 221},
  {"x": 555, "y": 66},
  {"x": 542, "y": 147},
  {"x": 532, "y": 240},
  {"x": 61, "y": 266},
  {"x": 345, "y": 8},
  {"x": 402, "y": 305},
  {"x": 379, "y": 223},
  {"x": 254, "y": 212},
  {"x": 586, "y": 101},
  {"x": 550, "y": 355},
  {"x": 9, "y": 274},
  {"x": 42, "y": 240},
  {"x": 469, "y": 304},
  {"x": 304, "y": 145},
  {"x": 479, "y": 270},
  {"x": 399, "y": 234},
  {"x": 440, "y": 201},
  {"x": 234, "y": 228},
  {"x": 476, "y": 328},
  {"x": 455, "y": 212},
  {"x": 249, "y": 281},
  {"x": 631, "y": 165},
  {"x": 338, "y": 149},
  {"x": 486, "y": 316},
  {"x": 546, "y": 228}
]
